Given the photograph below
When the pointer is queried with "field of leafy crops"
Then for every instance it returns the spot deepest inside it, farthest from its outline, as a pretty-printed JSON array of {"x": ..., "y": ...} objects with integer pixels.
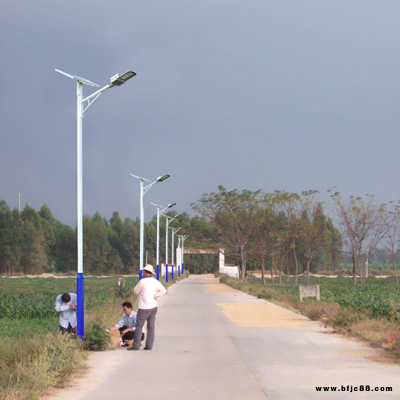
[
  {"x": 377, "y": 297},
  {"x": 27, "y": 304}
]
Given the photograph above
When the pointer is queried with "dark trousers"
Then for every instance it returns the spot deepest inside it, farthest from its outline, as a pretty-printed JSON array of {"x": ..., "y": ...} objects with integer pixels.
[
  {"x": 128, "y": 335},
  {"x": 142, "y": 317},
  {"x": 70, "y": 329}
]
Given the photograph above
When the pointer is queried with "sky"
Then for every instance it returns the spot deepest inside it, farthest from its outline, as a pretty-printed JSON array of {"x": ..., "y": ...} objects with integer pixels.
[{"x": 256, "y": 94}]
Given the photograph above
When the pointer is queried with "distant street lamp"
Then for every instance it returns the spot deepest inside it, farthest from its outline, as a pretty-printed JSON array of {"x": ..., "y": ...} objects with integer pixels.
[
  {"x": 173, "y": 250},
  {"x": 168, "y": 221},
  {"x": 183, "y": 241},
  {"x": 179, "y": 255},
  {"x": 116, "y": 80},
  {"x": 158, "y": 233},
  {"x": 143, "y": 191}
]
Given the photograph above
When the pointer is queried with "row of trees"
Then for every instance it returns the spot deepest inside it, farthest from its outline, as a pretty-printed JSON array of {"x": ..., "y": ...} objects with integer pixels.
[
  {"x": 291, "y": 233},
  {"x": 34, "y": 242},
  {"x": 287, "y": 232}
]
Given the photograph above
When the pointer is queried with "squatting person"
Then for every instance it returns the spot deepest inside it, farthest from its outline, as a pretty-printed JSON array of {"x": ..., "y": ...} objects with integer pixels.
[
  {"x": 66, "y": 305},
  {"x": 149, "y": 290},
  {"x": 127, "y": 324}
]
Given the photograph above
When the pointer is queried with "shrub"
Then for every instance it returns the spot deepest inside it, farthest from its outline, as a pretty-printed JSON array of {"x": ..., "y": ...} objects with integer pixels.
[
  {"x": 96, "y": 337},
  {"x": 35, "y": 364},
  {"x": 123, "y": 291}
]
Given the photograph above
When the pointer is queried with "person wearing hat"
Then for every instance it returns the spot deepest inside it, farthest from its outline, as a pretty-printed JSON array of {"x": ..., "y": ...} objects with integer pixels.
[{"x": 148, "y": 290}]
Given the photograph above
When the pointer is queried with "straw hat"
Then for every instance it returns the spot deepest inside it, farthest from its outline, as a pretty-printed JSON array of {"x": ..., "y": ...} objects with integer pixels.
[{"x": 149, "y": 268}]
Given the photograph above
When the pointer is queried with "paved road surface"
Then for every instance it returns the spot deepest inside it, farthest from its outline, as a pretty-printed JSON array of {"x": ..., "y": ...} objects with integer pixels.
[{"x": 201, "y": 354}]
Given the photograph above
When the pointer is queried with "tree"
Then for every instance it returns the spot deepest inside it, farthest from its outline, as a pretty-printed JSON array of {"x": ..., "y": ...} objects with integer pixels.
[
  {"x": 391, "y": 241},
  {"x": 233, "y": 215},
  {"x": 357, "y": 220},
  {"x": 6, "y": 238},
  {"x": 313, "y": 224}
]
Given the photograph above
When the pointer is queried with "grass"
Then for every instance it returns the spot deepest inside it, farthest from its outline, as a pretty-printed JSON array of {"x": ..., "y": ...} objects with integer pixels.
[
  {"x": 376, "y": 330},
  {"x": 33, "y": 356}
]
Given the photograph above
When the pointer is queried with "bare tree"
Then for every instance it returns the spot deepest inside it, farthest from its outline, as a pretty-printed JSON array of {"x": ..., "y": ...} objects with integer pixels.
[
  {"x": 313, "y": 223},
  {"x": 391, "y": 241},
  {"x": 378, "y": 229},
  {"x": 357, "y": 220}
]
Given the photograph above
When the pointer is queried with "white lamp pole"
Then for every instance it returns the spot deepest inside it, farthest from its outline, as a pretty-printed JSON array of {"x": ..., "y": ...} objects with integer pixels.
[
  {"x": 143, "y": 191},
  {"x": 183, "y": 241},
  {"x": 116, "y": 80},
  {"x": 158, "y": 233},
  {"x": 179, "y": 255},
  {"x": 168, "y": 221},
  {"x": 173, "y": 250}
]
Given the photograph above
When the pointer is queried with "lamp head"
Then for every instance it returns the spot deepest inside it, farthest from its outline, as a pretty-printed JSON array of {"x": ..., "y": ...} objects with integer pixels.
[
  {"x": 171, "y": 205},
  {"x": 118, "y": 80},
  {"x": 162, "y": 178}
]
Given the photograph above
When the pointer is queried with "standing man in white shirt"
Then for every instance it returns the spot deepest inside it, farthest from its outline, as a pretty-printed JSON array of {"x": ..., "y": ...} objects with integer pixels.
[
  {"x": 149, "y": 290},
  {"x": 66, "y": 305}
]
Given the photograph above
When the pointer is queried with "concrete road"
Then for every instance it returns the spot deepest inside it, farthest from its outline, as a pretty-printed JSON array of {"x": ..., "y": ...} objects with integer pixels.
[{"x": 200, "y": 353}]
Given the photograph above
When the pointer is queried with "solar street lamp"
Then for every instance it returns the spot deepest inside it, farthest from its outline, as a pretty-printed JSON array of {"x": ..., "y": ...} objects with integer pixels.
[
  {"x": 116, "y": 80},
  {"x": 183, "y": 241},
  {"x": 158, "y": 233},
  {"x": 173, "y": 250},
  {"x": 168, "y": 221},
  {"x": 143, "y": 191}
]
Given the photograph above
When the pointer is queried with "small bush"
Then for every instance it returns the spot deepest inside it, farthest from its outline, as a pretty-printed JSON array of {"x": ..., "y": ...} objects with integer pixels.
[
  {"x": 97, "y": 338},
  {"x": 123, "y": 291}
]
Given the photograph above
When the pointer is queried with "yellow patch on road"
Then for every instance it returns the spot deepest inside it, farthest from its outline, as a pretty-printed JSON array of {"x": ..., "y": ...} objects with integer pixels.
[
  {"x": 263, "y": 315},
  {"x": 210, "y": 280},
  {"x": 220, "y": 288}
]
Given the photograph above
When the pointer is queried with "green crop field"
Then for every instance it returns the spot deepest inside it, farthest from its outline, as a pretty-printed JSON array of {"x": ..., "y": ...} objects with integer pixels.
[
  {"x": 377, "y": 297},
  {"x": 27, "y": 304}
]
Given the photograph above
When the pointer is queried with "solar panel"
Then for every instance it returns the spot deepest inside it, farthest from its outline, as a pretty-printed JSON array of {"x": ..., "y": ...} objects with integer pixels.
[
  {"x": 139, "y": 177},
  {"x": 78, "y": 78}
]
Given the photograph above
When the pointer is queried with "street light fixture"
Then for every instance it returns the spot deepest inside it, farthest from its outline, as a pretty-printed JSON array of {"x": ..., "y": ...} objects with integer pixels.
[
  {"x": 158, "y": 233},
  {"x": 173, "y": 250},
  {"x": 80, "y": 112},
  {"x": 143, "y": 191},
  {"x": 168, "y": 221}
]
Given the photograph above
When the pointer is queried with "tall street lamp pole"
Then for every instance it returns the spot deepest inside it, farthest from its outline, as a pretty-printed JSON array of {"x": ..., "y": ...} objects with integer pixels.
[
  {"x": 183, "y": 241},
  {"x": 168, "y": 221},
  {"x": 143, "y": 191},
  {"x": 158, "y": 233},
  {"x": 116, "y": 80},
  {"x": 173, "y": 250},
  {"x": 179, "y": 255}
]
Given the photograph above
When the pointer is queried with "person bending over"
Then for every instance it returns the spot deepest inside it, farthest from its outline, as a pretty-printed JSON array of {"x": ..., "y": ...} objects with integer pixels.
[
  {"x": 127, "y": 324},
  {"x": 149, "y": 290},
  {"x": 66, "y": 305}
]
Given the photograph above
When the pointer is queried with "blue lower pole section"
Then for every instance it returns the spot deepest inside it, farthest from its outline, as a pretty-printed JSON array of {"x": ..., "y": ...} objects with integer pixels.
[
  {"x": 172, "y": 272},
  {"x": 166, "y": 273},
  {"x": 80, "y": 312},
  {"x": 182, "y": 268},
  {"x": 179, "y": 274},
  {"x": 158, "y": 272},
  {"x": 140, "y": 274}
]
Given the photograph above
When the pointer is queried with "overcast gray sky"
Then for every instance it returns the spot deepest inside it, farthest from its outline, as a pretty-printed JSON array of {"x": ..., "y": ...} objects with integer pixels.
[{"x": 290, "y": 95}]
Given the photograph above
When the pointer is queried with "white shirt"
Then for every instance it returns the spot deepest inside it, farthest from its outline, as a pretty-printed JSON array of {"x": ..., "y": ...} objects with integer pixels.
[
  {"x": 149, "y": 290},
  {"x": 128, "y": 320},
  {"x": 67, "y": 315}
]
